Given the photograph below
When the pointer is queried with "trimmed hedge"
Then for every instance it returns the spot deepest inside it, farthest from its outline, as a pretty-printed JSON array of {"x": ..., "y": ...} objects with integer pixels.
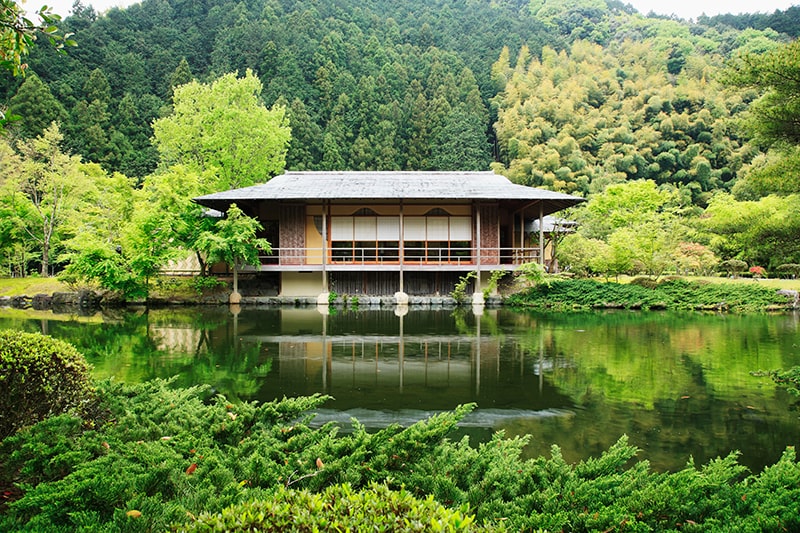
[
  {"x": 337, "y": 508},
  {"x": 672, "y": 293},
  {"x": 39, "y": 377}
]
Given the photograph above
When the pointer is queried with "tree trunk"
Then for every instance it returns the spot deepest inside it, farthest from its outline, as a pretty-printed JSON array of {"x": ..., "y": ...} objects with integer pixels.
[
  {"x": 202, "y": 263},
  {"x": 45, "y": 258},
  {"x": 235, "y": 297}
]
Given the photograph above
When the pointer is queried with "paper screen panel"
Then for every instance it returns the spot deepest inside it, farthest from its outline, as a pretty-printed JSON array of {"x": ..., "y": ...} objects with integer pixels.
[
  {"x": 388, "y": 228},
  {"x": 342, "y": 228}
]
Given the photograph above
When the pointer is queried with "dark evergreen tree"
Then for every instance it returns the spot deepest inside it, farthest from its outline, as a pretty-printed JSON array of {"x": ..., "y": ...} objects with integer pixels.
[
  {"x": 182, "y": 74},
  {"x": 306, "y": 145},
  {"x": 34, "y": 108},
  {"x": 461, "y": 144}
]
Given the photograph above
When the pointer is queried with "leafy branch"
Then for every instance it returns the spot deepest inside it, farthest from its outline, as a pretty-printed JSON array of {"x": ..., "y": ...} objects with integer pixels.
[{"x": 18, "y": 34}]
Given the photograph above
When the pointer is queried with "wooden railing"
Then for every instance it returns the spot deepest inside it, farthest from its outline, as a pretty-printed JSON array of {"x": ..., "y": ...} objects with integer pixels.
[{"x": 428, "y": 256}]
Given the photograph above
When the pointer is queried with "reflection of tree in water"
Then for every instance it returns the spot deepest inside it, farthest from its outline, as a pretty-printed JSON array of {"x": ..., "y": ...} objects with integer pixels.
[
  {"x": 217, "y": 356},
  {"x": 678, "y": 385},
  {"x": 466, "y": 322},
  {"x": 132, "y": 345}
]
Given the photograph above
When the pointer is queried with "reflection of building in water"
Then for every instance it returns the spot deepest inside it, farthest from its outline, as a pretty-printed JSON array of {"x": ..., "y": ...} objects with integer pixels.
[
  {"x": 412, "y": 368},
  {"x": 176, "y": 339},
  {"x": 382, "y": 360}
]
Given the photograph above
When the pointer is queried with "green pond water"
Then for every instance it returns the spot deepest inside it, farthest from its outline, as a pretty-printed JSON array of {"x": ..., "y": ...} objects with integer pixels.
[{"x": 678, "y": 384}]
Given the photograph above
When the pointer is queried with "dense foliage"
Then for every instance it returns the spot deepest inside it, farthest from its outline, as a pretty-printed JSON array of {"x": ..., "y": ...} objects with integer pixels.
[
  {"x": 579, "y": 119},
  {"x": 574, "y": 96},
  {"x": 337, "y": 508},
  {"x": 787, "y": 21},
  {"x": 772, "y": 120},
  {"x": 108, "y": 231},
  {"x": 39, "y": 377},
  {"x": 18, "y": 33},
  {"x": 162, "y": 457},
  {"x": 384, "y": 85},
  {"x": 668, "y": 294}
]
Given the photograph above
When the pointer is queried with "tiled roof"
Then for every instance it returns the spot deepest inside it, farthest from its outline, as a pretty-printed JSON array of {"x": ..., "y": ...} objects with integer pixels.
[
  {"x": 387, "y": 185},
  {"x": 551, "y": 224}
]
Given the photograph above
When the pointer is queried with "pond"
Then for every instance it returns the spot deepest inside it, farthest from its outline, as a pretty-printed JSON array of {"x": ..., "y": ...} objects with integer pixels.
[{"x": 678, "y": 384}]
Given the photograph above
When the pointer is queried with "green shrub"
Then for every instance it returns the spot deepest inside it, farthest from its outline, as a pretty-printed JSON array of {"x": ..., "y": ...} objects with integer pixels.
[
  {"x": 337, "y": 508},
  {"x": 332, "y": 297},
  {"x": 459, "y": 292},
  {"x": 533, "y": 273},
  {"x": 647, "y": 283},
  {"x": 733, "y": 267},
  {"x": 105, "y": 267},
  {"x": 789, "y": 270},
  {"x": 670, "y": 294},
  {"x": 39, "y": 377},
  {"x": 203, "y": 284},
  {"x": 167, "y": 452},
  {"x": 169, "y": 458}
]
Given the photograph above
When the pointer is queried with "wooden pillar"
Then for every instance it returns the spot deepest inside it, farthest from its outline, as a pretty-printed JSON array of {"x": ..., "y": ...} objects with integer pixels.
[
  {"x": 478, "y": 245},
  {"x": 325, "y": 211},
  {"x": 401, "y": 247},
  {"x": 541, "y": 233}
]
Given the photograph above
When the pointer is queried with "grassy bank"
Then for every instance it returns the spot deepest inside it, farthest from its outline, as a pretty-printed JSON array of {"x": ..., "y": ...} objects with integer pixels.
[
  {"x": 30, "y": 286},
  {"x": 773, "y": 283},
  {"x": 165, "y": 287}
]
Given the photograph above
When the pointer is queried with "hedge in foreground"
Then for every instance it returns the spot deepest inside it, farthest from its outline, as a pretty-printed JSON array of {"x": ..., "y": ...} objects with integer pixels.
[
  {"x": 39, "y": 377},
  {"x": 163, "y": 458},
  {"x": 337, "y": 508}
]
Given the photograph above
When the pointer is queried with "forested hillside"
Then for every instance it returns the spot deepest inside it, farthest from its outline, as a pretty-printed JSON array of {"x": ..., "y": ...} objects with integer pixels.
[
  {"x": 583, "y": 96},
  {"x": 368, "y": 84},
  {"x": 390, "y": 85},
  {"x": 787, "y": 21}
]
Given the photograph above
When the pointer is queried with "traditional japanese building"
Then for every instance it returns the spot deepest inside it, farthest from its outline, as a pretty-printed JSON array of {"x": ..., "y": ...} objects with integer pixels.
[{"x": 382, "y": 233}]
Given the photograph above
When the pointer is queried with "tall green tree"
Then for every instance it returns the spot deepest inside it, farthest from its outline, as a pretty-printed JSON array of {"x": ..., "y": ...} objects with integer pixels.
[
  {"x": 165, "y": 202},
  {"x": 94, "y": 243},
  {"x": 224, "y": 129},
  {"x": 624, "y": 205},
  {"x": 774, "y": 119},
  {"x": 306, "y": 145},
  {"x": 461, "y": 144},
  {"x": 180, "y": 76},
  {"x": 633, "y": 227},
  {"x": 43, "y": 190},
  {"x": 760, "y": 232},
  {"x": 15, "y": 248},
  {"x": 90, "y": 128},
  {"x": 233, "y": 241},
  {"x": 776, "y": 115},
  {"x": 34, "y": 108}
]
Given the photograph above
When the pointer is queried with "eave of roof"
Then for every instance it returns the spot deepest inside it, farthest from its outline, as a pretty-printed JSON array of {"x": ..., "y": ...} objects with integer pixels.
[{"x": 389, "y": 186}]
